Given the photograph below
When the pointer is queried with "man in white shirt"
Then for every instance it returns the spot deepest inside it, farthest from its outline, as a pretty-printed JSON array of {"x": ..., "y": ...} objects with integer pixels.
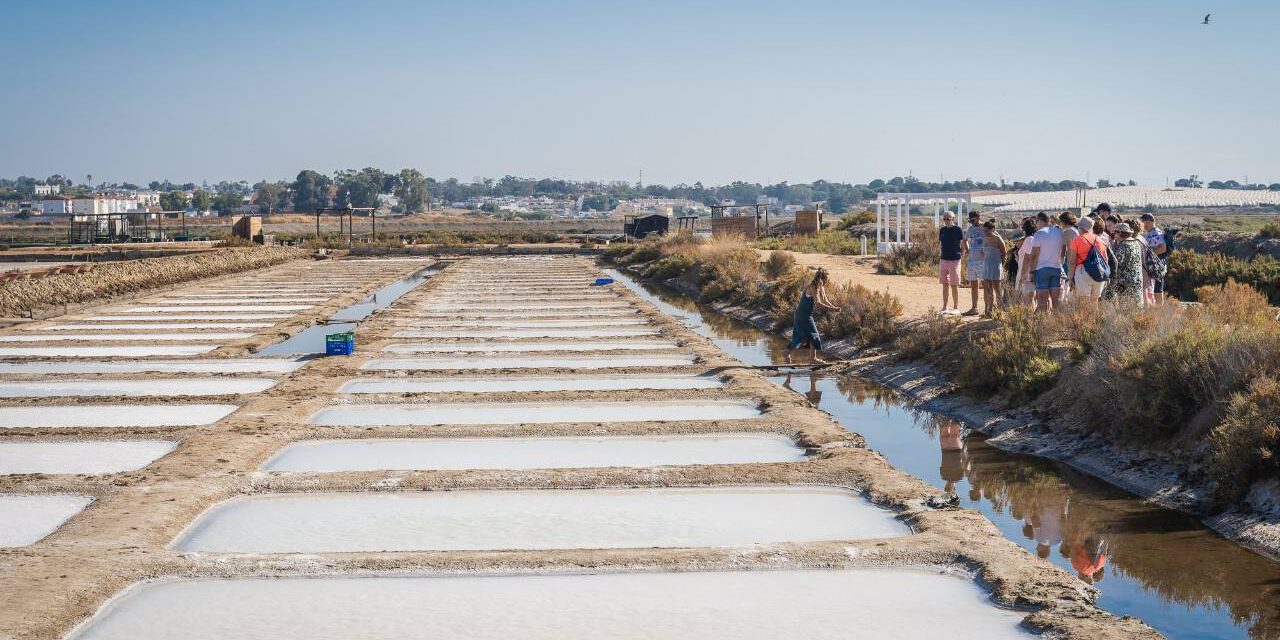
[{"x": 1047, "y": 251}]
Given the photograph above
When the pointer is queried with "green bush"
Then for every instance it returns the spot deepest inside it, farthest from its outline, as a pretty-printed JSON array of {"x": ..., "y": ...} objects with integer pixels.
[
  {"x": 1246, "y": 444},
  {"x": 1270, "y": 230},
  {"x": 617, "y": 251},
  {"x": 672, "y": 266},
  {"x": 1189, "y": 270},
  {"x": 1013, "y": 356},
  {"x": 865, "y": 216},
  {"x": 831, "y": 242}
]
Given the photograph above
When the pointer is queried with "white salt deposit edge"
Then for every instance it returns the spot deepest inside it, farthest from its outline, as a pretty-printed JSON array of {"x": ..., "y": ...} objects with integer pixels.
[
  {"x": 866, "y": 604},
  {"x": 90, "y": 457},
  {"x": 27, "y": 518},
  {"x": 114, "y": 415}
]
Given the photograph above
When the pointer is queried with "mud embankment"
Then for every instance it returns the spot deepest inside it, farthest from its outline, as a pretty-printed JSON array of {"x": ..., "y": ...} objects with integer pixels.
[
  {"x": 1154, "y": 475},
  {"x": 1245, "y": 246},
  {"x": 33, "y": 298}
]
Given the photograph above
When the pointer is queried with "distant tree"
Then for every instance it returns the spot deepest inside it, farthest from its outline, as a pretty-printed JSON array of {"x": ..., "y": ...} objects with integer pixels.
[
  {"x": 1275, "y": 186},
  {"x": 271, "y": 196},
  {"x": 837, "y": 204},
  {"x": 156, "y": 185},
  {"x": 310, "y": 190},
  {"x": 227, "y": 203},
  {"x": 201, "y": 200},
  {"x": 360, "y": 188},
  {"x": 173, "y": 201},
  {"x": 1190, "y": 182},
  {"x": 411, "y": 190},
  {"x": 600, "y": 202},
  {"x": 489, "y": 207},
  {"x": 1103, "y": 183}
]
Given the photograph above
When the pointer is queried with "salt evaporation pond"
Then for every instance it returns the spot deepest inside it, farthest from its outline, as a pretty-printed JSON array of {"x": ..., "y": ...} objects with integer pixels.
[
  {"x": 143, "y": 326},
  {"x": 526, "y": 307},
  {"x": 229, "y": 307},
  {"x": 532, "y": 323},
  {"x": 27, "y": 518},
  {"x": 368, "y": 415},
  {"x": 548, "y": 332},
  {"x": 527, "y": 347},
  {"x": 93, "y": 457},
  {"x": 499, "y": 313},
  {"x": 529, "y": 384},
  {"x": 114, "y": 415},
  {"x": 192, "y": 316},
  {"x": 132, "y": 351},
  {"x": 283, "y": 298},
  {"x": 536, "y": 519},
  {"x": 479, "y": 363},
  {"x": 134, "y": 388},
  {"x": 220, "y": 365},
  {"x": 827, "y": 604},
  {"x": 126, "y": 337},
  {"x": 533, "y": 453}
]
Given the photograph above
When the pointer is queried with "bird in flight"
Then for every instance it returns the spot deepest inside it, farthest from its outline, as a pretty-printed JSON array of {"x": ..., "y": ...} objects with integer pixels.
[{"x": 1206, "y": 18}]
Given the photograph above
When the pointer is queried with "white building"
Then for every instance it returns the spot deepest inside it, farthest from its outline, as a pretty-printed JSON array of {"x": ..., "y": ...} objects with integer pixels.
[
  {"x": 101, "y": 204},
  {"x": 56, "y": 206},
  {"x": 48, "y": 189}
]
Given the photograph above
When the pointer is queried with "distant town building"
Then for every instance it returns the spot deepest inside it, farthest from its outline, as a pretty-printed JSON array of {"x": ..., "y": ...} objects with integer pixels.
[
  {"x": 98, "y": 204},
  {"x": 48, "y": 189},
  {"x": 55, "y": 206}
]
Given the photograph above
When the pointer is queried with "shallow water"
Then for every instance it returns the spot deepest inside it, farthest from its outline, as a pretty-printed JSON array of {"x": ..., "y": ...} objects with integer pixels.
[
  {"x": 531, "y": 323},
  {"x": 114, "y": 415},
  {"x": 26, "y": 519},
  {"x": 530, "y": 384},
  {"x": 482, "y": 363},
  {"x": 284, "y": 299},
  {"x": 211, "y": 365},
  {"x": 533, "y": 453},
  {"x": 143, "y": 326},
  {"x": 194, "y": 316},
  {"x": 533, "y": 412},
  {"x": 138, "y": 351},
  {"x": 1159, "y": 565},
  {"x": 126, "y": 337},
  {"x": 307, "y": 341},
  {"x": 229, "y": 307},
  {"x": 472, "y": 315},
  {"x": 91, "y": 457},
  {"x": 744, "y": 605},
  {"x": 527, "y": 347},
  {"x": 518, "y": 307},
  {"x": 536, "y": 519},
  {"x": 134, "y": 388},
  {"x": 534, "y": 332}
]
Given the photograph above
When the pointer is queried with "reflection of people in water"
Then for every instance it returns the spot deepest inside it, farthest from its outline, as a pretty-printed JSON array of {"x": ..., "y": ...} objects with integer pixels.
[
  {"x": 1048, "y": 521},
  {"x": 813, "y": 395},
  {"x": 953, "y": 455},
  {"x": 1089, "y": 559}
]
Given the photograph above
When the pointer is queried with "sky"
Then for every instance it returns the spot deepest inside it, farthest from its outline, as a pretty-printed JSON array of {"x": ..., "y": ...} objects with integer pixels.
[{"x": 683, "y": 91}]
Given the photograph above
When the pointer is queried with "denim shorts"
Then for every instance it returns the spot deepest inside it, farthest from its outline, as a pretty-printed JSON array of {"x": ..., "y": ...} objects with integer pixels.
[{"x": 1048, "y": 278}]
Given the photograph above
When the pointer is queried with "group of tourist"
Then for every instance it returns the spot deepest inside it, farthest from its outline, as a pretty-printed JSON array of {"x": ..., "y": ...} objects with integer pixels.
[{"x": 1098, "y": 256}]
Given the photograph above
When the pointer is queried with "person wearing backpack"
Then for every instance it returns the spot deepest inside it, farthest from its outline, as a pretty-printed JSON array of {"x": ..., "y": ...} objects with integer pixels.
[{"x": 1089, "y": 262}]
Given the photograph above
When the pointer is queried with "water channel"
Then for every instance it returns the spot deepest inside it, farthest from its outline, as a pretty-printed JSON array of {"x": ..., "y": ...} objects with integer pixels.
[{"x": 1162, "y": 566}]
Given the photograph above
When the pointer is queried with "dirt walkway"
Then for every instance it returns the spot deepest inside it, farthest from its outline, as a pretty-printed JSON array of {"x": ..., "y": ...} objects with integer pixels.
[{"x": 919, "y": 295}]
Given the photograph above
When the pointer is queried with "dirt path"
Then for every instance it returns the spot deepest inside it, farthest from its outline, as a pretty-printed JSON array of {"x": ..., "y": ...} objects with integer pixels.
[{"x": 919, "y": 295}]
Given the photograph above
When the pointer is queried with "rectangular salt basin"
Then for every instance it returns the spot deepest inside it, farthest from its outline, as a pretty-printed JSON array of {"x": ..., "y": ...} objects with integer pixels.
[
  {"x": 229, "y": 307},
  {"x": 221, "y": 365},
  {"x": 820, "y": 604},
  {"x": 533, "y": 453},
  {"x": 197, "y": 316},
  {"x": 550, "y": 306},
  {"x": 478, "y": 363},
  {"x": 368, "y": 415},
  {"x": 535, "y": 519},
  {"x": 528, "y": 347},
  {"x": 95, "y": 457},
  {"x": 547, "y": 332},
  {"x": 241, "y": 300},
  {"x": 126, "y": 337},
  {"x": 529, "y": 384},
  {"x": 27, "y": 518},
  {"x": 134, "y": 388},
  {"x": 114, "y": 415},
  {"x": 144, "y": 326},
  {"x": 138, "y": 351},
  {"x": 603, "y": 322},
  {"x": 508, "y": 314}
]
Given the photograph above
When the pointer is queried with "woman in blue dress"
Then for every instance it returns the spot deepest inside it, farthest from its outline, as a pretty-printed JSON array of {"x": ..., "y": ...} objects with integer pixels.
[{"x": 804, "y": 329}]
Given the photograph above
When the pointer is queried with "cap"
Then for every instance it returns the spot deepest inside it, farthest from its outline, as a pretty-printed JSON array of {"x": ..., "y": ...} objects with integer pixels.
[
  {"x": 1085, "y": 224},
  {"x": 1124, "y": 227}
]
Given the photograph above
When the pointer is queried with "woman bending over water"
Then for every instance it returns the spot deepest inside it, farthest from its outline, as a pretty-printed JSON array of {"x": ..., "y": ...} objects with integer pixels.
[{"x": 805, "y": 329}]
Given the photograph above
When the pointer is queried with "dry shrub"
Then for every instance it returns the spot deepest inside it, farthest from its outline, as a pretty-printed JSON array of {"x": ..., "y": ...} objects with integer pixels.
[
  {"x": 1013, "y": 356},
  {"x": 928, "y": 336},
  {"x": 679, "y": 243},
  {"x": 784, "y": 295},
  {"x": 1188, "y": 271},
  {"x": 1235, "y": 303},
  {"x": 1246, "y": 444},
  {"x": 920, "y": 258},
  {"x": 672, "y": 266},
  {"x": 778, "y": 264},
  {"x": 860, "y": 312},
  {"x": 730, "y": 270}
]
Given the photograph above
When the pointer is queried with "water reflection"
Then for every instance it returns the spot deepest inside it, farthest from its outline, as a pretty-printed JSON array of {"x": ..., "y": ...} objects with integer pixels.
[{"x": 1159, "y": 565}]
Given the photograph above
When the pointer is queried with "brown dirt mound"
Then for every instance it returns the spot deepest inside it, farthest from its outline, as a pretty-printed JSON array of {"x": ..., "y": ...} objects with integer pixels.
[{"x": 21, "y": 297}]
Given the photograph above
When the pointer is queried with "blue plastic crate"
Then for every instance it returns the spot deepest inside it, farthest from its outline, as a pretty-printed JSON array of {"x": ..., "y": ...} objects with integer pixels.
[{"x": 340, "y": 344}]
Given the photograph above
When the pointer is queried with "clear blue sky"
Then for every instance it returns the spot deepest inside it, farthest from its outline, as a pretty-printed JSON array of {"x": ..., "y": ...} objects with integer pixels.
[{"x": 599, "y": 89}]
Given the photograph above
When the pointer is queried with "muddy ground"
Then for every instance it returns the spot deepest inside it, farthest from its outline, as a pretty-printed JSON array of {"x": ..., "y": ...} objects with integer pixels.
[{"x": 124, "y": 535}]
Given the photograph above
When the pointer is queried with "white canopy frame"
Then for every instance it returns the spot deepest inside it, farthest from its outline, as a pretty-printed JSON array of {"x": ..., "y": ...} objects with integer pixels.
[{"x": 896, "y": 207}]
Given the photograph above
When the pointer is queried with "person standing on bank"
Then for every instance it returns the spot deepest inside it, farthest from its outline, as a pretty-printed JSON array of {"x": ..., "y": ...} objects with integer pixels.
[
  {"x": 993, "y": 248},
  {"x": 1046, "y": 257},
  {"x": 975, "y": 265},
  {"x": 804, "y": 329},
  {"x": 951, "y": 238}
]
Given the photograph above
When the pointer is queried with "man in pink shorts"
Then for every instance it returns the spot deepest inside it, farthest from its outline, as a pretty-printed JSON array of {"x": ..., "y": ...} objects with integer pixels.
[{"x": 950, "y": 237}]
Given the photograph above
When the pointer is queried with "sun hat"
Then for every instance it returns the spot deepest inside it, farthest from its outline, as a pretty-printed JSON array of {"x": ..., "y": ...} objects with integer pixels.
[
  {"x": 1124, "y": 227},
  {"x": 1085, "y": 224}
]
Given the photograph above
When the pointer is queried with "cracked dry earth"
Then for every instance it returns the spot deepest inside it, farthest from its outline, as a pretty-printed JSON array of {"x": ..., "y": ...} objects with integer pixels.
[{"x": 512, "y": 452}]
